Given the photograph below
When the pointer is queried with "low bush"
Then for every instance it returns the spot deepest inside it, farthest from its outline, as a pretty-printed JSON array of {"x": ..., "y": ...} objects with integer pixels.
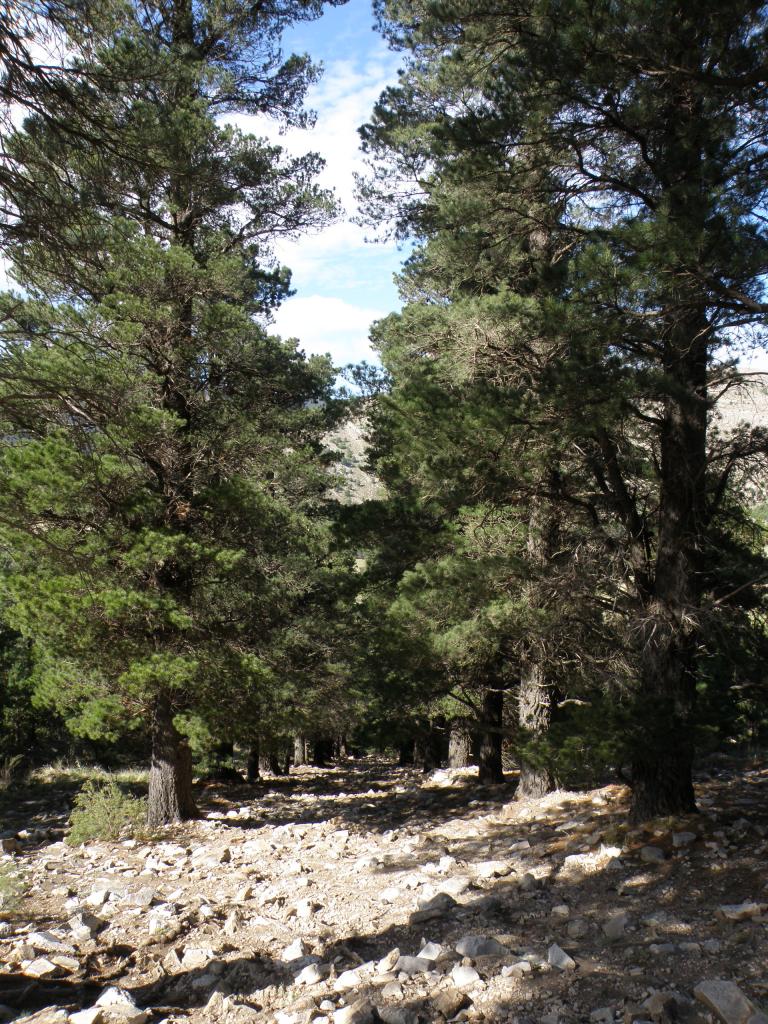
[{"x": 102, "y": 810}]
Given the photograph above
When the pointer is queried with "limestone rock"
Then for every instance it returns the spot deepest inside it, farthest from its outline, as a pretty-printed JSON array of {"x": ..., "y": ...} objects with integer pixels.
[
  {"x": 449, "y": 1002},
  {"x": 413, "y": 965},
  {"x": 614, "y": 927},
  {"x": 652, "y": 855},
  {"x": 359, "y": 1012},
  {"x": 726, "y": 1000},
  {"x": 120, "y": 1003},
  {"x": 558, "y": 958},
  {"x": 95, "y": 1015},
  {"x": 312, "y": 974},
  {"x": 42, "y": 968},
  {"x": 47, "y": 942},
  {"x": 463, "y": 976},
  {"x": 439, "y": 905},
  {"x": 740, "y": 911},
  {"x": 479, "y": 945},
  {"x": 347, "y": 980}
]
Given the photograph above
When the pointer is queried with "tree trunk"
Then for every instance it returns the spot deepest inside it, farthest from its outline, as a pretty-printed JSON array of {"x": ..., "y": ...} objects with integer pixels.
[
  {"x": 534, "y": 716},
  {"x": 252, "y": 764},
  {"x": 322, "y": 752},
  {"x": 459, "y": 744},
  {"x": 428, "y": 747},
  {"x": 268, "y": 762},
  {"x": 662, "y": 761},
  {"x": 170, "y": 774},
  {"x": 405, "y": 753},
  {"x": 535, "y": 694},
  {"x": 300, "y": 750},
  {"x": 490, "y": 769}
]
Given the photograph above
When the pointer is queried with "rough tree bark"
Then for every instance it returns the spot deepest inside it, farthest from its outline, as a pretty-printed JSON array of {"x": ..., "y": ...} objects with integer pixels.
[
  {"x": 170, "y": 773},
  {"x": 490, "y": 768},
  {"x": 534, "y": 717},
  {"x": 459, "y": 743},
  {"x": 300, "y": 750},
  {"x": 428, "y": 746},
  {"x": 662, "y": 762}
]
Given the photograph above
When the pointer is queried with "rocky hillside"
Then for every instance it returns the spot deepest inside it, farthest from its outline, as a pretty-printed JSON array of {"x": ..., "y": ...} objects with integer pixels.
[{"x": 366, "y": 894}]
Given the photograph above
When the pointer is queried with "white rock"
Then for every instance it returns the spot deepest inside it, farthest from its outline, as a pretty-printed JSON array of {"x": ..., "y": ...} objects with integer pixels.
[
  {"x": 413, "y": 965},
  {"x": 297, "y": 949},
  {"x": 518, "y": 847},
  {"x": 143, "y": 897},
  {"x": 42, "y": 968},
  {"x": 94, "y": 1015},
  {"x": 463, "y": 976},
  {"x": 359, "y": 1012},
  {"x": 517, "y": 970},
  {"x": 47, "y": 942},
  {"x": 117, "y": 1001},
  {"x": 740, "y": 911},
  {"x": 492, "y": 869},
  {"x": 85, "y": 926},
  {"x": 480, "y": 945},
  {"x": 385, "y": 965},
  {"x": 195, "y": 957},
  {"x": 726, "y": 1000},
  {"x": 456, "y": 885},
  {"x": 652, "y": 855},
  {"x": 430, "y": 951},
  {"x": 558, "y": 958},
  {"x": 98, "y": 897},
  {"x": 312, "y": 974},
  {"x": 562, "y": 912},
  {"x": 347, "y": 980}
]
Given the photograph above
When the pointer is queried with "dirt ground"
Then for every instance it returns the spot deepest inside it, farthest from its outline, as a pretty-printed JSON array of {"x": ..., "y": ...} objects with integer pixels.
[{"x": 365, "y": 892}]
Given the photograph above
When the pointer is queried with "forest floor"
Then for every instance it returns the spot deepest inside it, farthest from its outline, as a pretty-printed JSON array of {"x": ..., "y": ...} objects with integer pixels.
[{"x": 366, "y": 893}]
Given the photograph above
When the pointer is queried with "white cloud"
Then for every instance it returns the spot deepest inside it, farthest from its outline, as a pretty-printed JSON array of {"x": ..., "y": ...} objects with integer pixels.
[
  {"x": 343, "y": 100},
  {"x": 326, "y": 324}
]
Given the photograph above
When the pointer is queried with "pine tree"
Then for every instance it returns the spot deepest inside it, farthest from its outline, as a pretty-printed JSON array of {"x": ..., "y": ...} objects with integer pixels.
[
  {"x": 649, "y": 148},
  {"x": 161, "y": 465}
]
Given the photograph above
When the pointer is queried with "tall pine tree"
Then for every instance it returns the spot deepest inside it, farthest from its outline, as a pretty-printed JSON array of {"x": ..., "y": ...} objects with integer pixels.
[
  {"x": 161, "y": 460},
  {"x": 646, "y": 150}
]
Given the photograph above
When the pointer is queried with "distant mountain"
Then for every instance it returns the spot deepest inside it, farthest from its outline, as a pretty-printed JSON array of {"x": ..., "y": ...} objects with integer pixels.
[{"x": 358, "y": 484}]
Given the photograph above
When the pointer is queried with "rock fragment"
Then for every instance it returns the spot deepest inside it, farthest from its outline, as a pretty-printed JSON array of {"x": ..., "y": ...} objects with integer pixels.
[{"x": 558, "y": 958}]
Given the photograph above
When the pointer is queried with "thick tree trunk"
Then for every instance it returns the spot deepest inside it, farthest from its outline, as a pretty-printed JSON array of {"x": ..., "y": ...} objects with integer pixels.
[
  {"x": 662, "y": 762},
  {"x": 300, "y": 750},
  {"x": 534, "y": 716},
  {"x": 405, "y": 753},
  {"x": 459, "y": 744},
  {"x": 252, "y": 764},
  {"x": 322, "y": 752},
  {"x": 490, "y": 768},
  {"x": 170, "y": 774},
  {"x": 428, "y": 747},
  {"x": 535, "y": 693}
]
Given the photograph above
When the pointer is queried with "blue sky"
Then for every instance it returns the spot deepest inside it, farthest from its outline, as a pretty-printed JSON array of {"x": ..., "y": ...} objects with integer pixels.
[{"x": 342, "y": 282}]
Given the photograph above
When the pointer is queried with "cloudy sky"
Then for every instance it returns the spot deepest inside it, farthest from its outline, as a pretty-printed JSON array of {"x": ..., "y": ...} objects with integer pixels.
[{"x": 342, "y": 282}]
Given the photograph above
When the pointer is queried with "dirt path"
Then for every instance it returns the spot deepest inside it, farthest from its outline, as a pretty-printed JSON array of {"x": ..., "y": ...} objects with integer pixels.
[{"x": 366, "y": 893}]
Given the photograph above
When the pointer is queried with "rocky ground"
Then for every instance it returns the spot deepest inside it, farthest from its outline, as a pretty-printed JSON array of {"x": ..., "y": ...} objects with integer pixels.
[{"x": 366, "y": 893}]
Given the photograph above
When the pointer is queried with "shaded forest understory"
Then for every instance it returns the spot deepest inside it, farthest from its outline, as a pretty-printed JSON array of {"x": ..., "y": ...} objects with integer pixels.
[{"x": 311, "y": 898}]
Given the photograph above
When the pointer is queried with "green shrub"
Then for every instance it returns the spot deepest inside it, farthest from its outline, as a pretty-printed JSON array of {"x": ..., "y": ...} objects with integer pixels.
[
  {"x": 11, "y": 889},
  {"x": 103, "y": 811}
]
